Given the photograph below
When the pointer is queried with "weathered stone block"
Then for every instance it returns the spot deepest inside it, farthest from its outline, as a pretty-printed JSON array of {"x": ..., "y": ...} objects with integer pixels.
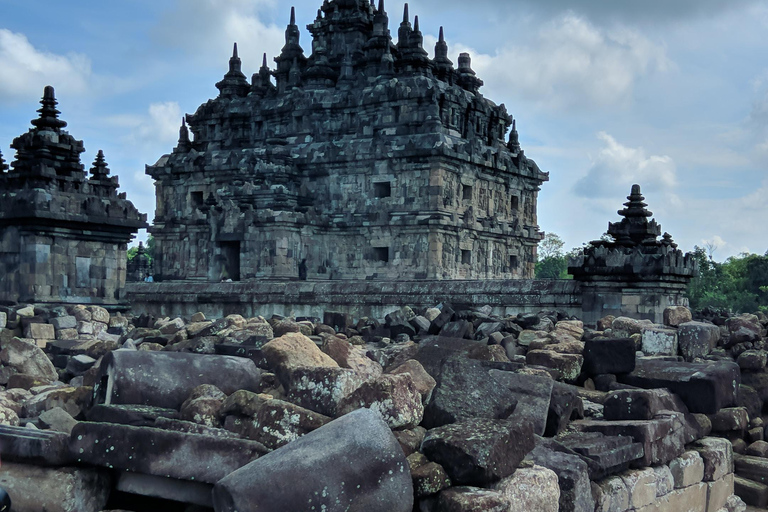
[
  {"x": 753, "y": 493},
  {"x": 697, "y": 339},
  {"x": 688, "y": 499},
  {"x": 479, "y": 451},
  {"x": 535, "y": 488},
  {"x": 394, "y": 397},
  {"x": 40, "y": 331},
  {"x": 611, "y": 495},
  {"x": 718, "y": 492},
  {"x": 641, "y": 487},
  {"x": 352, "y": 463},
  {"x": 533, "y": 394},
  {"x": 165, "y": 379},
  {"x": 322, "y": 388},
  {"x": 687, "y": 469},
  {"x": 717, "y": 455},
  {"x": 465, "y": 390},
  {"x": 63, "y": 322},
  {"x": 568, "y": 365},
  {"x": 615, "y": 355},
  {"x": 639, "y": 404},
  {"x": 703, "y": 387},
  {"x": 659, "y": 341},
  {"x": 65, "y": 489},
  {"x": 472, "y": 499},
  {"x": 674, "y": 316},
  {"x": 572, "y": 475},
  {"x": 159, "y": 452}
]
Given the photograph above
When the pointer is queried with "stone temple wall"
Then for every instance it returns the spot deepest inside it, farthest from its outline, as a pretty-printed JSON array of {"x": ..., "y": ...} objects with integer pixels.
[
  {"x": 63, "y": 231},
  {"x": 61, "y": 268},
  {"x": 365, "y": 160},
  {"x": 358, "y": 298}
]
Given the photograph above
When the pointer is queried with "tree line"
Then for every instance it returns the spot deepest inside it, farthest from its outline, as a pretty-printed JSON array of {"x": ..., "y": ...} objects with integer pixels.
[{"x": 739, "y": 284}]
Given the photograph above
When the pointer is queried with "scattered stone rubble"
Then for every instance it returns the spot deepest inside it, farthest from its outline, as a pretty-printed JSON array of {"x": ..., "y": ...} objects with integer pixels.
[{"x": 443, "y": 409}]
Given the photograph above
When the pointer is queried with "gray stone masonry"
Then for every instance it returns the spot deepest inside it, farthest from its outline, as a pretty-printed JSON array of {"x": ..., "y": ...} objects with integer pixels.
[
  {"x": 63, "y": 234},
  {"x": 365, "y": 160}
]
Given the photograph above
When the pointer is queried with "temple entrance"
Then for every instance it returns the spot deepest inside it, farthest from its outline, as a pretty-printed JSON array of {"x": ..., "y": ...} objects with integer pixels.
[{"x": 230, "y": 261}]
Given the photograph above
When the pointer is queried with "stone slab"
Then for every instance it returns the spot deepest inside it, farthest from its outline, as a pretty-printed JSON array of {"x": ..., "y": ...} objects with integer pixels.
[
  {"x": 161, "y": 452},
  {"x": 165, "y": 379},
  {"x": 703, "y": 387}
]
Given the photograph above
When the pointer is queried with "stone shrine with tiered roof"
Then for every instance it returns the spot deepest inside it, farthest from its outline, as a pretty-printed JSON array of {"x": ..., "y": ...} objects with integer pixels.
[
  {"x": 63, "y": 233},
  {"x": 367, "y": 159}
]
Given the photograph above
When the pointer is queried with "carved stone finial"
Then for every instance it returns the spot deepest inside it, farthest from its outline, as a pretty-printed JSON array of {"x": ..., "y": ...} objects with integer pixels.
[
  {"x": 184, "y": 141},
  {"x": 49, "y": 116},
  {"x": 234, "y": 82},
  {"x": 406, "y": 17},
  {"x": 100, "y": 170},
  {"x": 293, "y": 16}
]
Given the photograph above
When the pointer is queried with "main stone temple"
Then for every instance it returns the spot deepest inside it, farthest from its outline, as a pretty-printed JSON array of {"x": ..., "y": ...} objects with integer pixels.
[{"x": 364, "y": 160}]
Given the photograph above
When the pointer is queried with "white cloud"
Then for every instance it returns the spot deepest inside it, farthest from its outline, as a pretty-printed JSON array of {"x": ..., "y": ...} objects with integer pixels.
[
  {"x": 617, "y": 167},
  {"x": 571, "y": 64},
  {"x": 207, "y": 29},
  {"x": 157, "y": 130},
  {"x": 27, "y": 70}
]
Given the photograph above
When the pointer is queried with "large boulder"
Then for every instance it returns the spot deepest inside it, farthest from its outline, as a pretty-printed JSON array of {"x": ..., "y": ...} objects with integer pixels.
[
  {"x": 393, "y": 397},
  {"x": 63, "y": 489},
  {"x": 697, "y": 339},
  {"x": 528, "y": 489},
  {"x": 351, "y": 464},
  {"x": 465, "y": 390},
  {"x": 165, "y": 379},
  {"x": 294, "y": 350},
  {"x": 479, "y": 451},
  {"x": 21, "y": 356},
  {"x": 674, "y": 316},
  {"x": 322, "y": 388}
]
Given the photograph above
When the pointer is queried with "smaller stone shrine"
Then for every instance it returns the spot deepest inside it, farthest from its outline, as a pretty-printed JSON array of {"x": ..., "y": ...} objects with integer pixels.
[
  {"x": 634, "y": 273},
  {"x": 63, "y": 234}
]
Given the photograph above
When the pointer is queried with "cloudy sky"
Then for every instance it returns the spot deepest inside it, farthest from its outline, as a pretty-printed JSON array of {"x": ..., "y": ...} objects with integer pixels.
[{"x": 672, "y": 95}]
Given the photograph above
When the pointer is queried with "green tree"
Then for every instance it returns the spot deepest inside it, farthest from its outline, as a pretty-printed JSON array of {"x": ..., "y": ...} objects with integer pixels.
[
  {"x": 739, "y": 284},
  {"x": 149, "y": 249},
  {"x": 551, "y": 263}
]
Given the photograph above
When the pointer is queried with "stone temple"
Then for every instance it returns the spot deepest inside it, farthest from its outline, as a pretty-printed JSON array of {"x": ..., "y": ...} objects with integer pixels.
[
  {"x": 366, "y": 159},
  {"x": 63, "y": 234}
]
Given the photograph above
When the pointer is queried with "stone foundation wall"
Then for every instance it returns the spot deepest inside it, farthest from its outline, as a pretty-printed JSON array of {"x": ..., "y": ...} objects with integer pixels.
[
  {"x": 63, "y": 267},
  {"x": 358, "y": 298}
]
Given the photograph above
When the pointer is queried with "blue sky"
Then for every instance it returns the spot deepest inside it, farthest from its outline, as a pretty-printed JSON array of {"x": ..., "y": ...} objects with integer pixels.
[{"x": 671, "y": 95}]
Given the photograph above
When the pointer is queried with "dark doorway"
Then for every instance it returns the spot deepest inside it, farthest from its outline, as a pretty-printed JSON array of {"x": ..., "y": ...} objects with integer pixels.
[{"x": 230, "y": 266}]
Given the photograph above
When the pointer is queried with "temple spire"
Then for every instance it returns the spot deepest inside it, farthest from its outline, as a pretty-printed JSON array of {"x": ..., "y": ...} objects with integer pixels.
[
  {"x": 264, "y": 62},
  {"x": 441, "y": 37},
  {"x": 184, "y": 134},
  {"x": 49, "y": 116},
  {"x": 293, "y": 16},
  {"x": 381, "y": 7},
  {"x": 406, "y": 17},
  {"x": 99, "y": 170}
]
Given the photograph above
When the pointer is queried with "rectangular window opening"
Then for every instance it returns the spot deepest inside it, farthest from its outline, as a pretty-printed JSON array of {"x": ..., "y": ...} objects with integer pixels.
[
  {"x": 513, "y": 262},
  {"x": 466, "y": 192},
  {"x": 383, "y": 189},
  {"x": 466, "y": 257},
  {"x": 514, "y": 203},
  {"x": 196, "y": 198},
  {"x": 381, "y": 254}
]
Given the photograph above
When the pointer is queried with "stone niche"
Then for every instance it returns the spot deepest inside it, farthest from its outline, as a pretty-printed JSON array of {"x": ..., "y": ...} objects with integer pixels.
[
  {"x": 632, "y": 272},
  {"x": 366, "y": 160},
  {"x": 63, "y": 233}
]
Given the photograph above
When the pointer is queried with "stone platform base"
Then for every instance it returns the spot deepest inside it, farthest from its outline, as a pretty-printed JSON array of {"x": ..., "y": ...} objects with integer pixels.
[{"x": 358, "y": 298}]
